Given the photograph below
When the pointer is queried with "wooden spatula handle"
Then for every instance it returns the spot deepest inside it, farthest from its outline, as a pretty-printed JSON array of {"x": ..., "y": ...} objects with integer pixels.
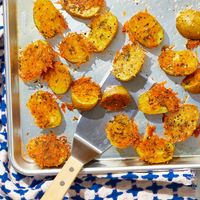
[{"x": 63, "y": 180}]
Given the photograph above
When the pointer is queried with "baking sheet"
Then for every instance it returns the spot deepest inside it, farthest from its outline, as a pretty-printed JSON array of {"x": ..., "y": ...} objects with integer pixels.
[{"x": 101, "y": 63}]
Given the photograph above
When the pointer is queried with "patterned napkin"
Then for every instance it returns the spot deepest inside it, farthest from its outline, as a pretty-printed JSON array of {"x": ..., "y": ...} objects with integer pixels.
[{"x": 177, "y": 185}]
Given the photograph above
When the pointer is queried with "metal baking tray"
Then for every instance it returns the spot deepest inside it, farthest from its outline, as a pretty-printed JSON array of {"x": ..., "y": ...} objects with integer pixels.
[{"x": 20, "y": 30}]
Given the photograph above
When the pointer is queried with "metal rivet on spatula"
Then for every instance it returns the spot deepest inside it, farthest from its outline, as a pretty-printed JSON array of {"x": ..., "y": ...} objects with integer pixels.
[
  {"x": 62, "y": 183},
  {"x": 71, "y": 169}
]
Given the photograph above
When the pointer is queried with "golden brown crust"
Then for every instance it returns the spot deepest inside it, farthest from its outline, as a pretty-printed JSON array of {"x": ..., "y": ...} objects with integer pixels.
[
  {"x": 48, "y": 19},
  {"x": 191, "y": 83},
  {"x": 35, "y": 59},
  {"x": 180, "y": 125},
  {"x": 128, "y": 62},
  {"x": 178, "y": 63},
  {"x": 44, "y": 109},
  {"x": 48, "y": 151},
  {"x": 122, "y": 131},
  {"x": 103, "y": 31},
  {"x": 76, "y": 48},
  {"x": 154, "y": 149},
  {"x": 83, "y": 8},
  {"x": 144, "y": 28},
  {"x": 85, "y": 93},
  {"x": 158, "y": 100},
  {"x": 58, "y": 78},
  {"x": 115, "y": 98}
]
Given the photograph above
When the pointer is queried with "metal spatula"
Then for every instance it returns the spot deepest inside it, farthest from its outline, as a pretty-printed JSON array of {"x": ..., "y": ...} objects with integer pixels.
[{"x": 89, "y": 140}]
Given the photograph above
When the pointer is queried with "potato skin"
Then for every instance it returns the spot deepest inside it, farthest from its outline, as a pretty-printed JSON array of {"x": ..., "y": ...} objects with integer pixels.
[
  {"x": 58, "y": 78},
  {"x": 122, "y": 131},
  {"x": 103, "y": 30},
  {"x": 48, "y": 151},
  {"x": 76, "y": 48},
  {"x": 178, "y": 63},
  {"x": 153, "y": 149},
  {"x": 188, "y": 24},
  {"x": 85, "y": 94},
  {"x": 144, "y": 28},
  {"x": 158, "y": 100},
  {"x": 115, "y": 98},
  {"x": 44, "y": 109},
  {"x": 48, "y": 19},
  {"x": 180, "y": 125},
  {"x": 191, "y": 83},
  {"x": 83, "y": 8},
  {"x": 35, "y": 59},
  {"x": 128, "y": 62}
]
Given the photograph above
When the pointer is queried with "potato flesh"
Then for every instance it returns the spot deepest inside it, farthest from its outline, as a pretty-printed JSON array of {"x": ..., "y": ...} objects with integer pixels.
[
  {"x": 178, "y": 63},
  {"x": 115, "y": 98},
  {"x": 158, "y": 100},
  {"x": 188, "y": 24},
  {"x": 58, "y": 78},
  {"x": 48, "y": 19},
  {"x": 122, "y": 131},
  {"x": 180, "y": 125},
  {"x": 44, "y": 109},
  {"x": 191, "y": 83},
  {"x": 144, "y": 28},
  {"x": 35, "y": 59},
  {"x": 83, "y": 8},
  {"x": 85, "y": 94},
  {"x": 128, "y": 63},
  {"x": 103, "y": 30},
  {"x": 75, "y": 48}
]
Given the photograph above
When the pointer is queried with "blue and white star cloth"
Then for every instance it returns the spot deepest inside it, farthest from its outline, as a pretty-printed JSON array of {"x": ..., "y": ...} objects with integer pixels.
[{"x": 176, "y": 185}]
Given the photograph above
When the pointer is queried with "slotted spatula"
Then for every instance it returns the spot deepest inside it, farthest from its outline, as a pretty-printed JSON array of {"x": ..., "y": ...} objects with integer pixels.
[{"x": 89, "y": 140}]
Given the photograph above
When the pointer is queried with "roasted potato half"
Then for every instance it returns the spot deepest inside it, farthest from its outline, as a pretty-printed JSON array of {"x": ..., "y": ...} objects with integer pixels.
[
  {"x": 191, "y": 83},
  {"x": 103, "y": 30},
  {"x": 58, "y": 78},
  {"x": 158, "y": 100},
  {"x": 85, "y": 94},
  {"x": 35, "y": 59},
  {"x": 144, "y": 28},
  {"x": 180, "y": 125},
  {"x": 48, "y": 19},
  {"x": 122, "y": 131},
  {"x": 48, "y": 151},
  {"x": 76, "y": 48},
  {"x": 128, "y": 62},
  {"x": 178, "y": 63},
  {"x": 188, "y": 24},
  {"x": 83, "y": 8},
  {"x": 115, "y": 98},
  {"x": 44, "y": 109},
  {"x": 153, "y": 149}
]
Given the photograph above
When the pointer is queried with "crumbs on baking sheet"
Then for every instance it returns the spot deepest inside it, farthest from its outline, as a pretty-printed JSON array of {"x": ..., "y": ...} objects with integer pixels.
[
  {"x": 197, "y": 131},
  {"x": 67, "y": 105},
  {"x": 75, "y": 118},
  {"x": 124, "y": 13}
]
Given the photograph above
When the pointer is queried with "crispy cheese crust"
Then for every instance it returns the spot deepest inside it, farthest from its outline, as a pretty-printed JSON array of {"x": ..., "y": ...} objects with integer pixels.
[
  {"x": 85, "y": 94},
  {"x": 103, "y": 31},
  {"x": 191, "y": 83},
  {"x": 58, "y": 78},
  {"x": 178, "y": 63},
  {"x": 180, "y": 125},
  {"x": 48, "y": 151},
  {"x": 35, "y": 59},
  {"x": 144, "y": 28},
  {"x": 122, "y": 131},
  {"x": 76, "y": 48},
  {"x": 128, "y": 62},
  {"x": 44, "y": 109},
  {"x": 153, "y": 149},
  {"x": 158, "y": 100},
  {"x": 83, "y": 8},
  {"x": 48, "y": 19},
  {"x": 115, "y": 98}
]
